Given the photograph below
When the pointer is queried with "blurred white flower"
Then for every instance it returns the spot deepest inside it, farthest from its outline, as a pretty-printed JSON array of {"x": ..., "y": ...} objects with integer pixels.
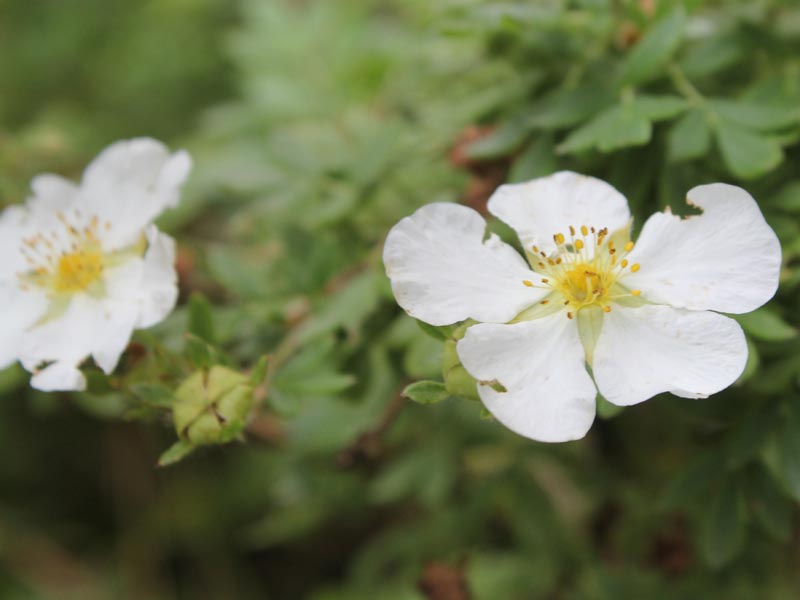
[
  {"x": 83, "y": 265},
  {"x": 638, "y": 316}
]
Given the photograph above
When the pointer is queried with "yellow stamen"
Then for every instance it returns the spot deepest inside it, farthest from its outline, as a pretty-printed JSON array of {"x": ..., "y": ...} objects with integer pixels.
[
  {"x": 584, "y": 230},
  {"x": 579, "y": 244},
  {"x": 527, "y": 283},
  {"x": 628, "y": 246},
  {"x": 636, "y": 292},
  {"x": 607, "y": 309},
  {"x": 559, "y": 238},
  {"x": 635, "y": 267}
]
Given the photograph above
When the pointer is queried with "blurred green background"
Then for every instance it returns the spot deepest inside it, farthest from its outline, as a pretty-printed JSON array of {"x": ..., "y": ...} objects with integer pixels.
[{"x": 315, "y": 126}]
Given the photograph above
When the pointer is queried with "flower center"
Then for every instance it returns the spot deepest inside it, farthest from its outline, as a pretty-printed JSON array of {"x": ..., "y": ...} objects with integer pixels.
[
  {"x": 77, "y": 270},
  {"x": 584, "y": 269},
  {"x": 65, "y": 260}
]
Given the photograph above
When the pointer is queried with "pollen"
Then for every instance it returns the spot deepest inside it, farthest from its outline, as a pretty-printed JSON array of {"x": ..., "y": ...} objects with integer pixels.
[
  {"x": 586, "y": 271},
  {"x": 65, "y": 260},
  {"x": 77, "y": 270}
]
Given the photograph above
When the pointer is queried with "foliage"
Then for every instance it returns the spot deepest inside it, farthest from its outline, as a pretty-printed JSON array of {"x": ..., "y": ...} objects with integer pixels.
[{"x": 315, "y": 126}]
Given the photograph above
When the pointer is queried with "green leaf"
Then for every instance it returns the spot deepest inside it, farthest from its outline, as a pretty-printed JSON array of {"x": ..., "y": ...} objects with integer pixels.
[
  {"x": 614, "y": 128},
  {"x": 747, "y": 154},
  {"x": 504, "y": 140},
  {"x": 749, "y": 437},
  {"x": 690, "y": 137},
  {"x": 565, "y": 108},
  {"x": 772, "y": 509},
  {"x": 723, "y": 529},
  {"x": 763, "y": 324},
  {"x": 154, "y": 394},
  {"x": 788, "y": 453},
  {"x": 201, "y": 318},
  {"x": 658, "y": 108},
  {"x": 426, "y": 392},
  {"x": 606, "y": 410},
  {"x": 259, "y": 371},
  {"x": 442, "y": 332},
  {"x": 759, "y": 116},
  {"x": 175, "y": 453},
  {"x": 654, "y": 49},
  {"x": 694, "y": 480},
  {"x": 537, "y": 160},
  {"x": 788, "y": 198}
]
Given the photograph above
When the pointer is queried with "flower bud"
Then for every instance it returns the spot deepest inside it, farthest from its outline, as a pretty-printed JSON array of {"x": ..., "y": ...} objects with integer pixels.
[
  {"x": 456, "y": 379},
  {"x": 211, "y": 406}
]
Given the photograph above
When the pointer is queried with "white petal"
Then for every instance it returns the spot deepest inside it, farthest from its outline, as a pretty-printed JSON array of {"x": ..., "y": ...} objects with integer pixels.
[
  {"x": 542, "y": 207},
  {"x": 68, "y": 338},
  {"x": 651, "y": 349},
  {"x": 158, "y": 291},
  {"x": 130, "y": 183},
  {"x": 443, "y": 272},
  {"x": 60, "y": 376},
  {"x": 727, "y": 259},
  {"x": 12, "y": 231},
  {"x": 20, "y": 310},
  {"x": 51, "y": 193},
  {"x": 549, "y": 395}
]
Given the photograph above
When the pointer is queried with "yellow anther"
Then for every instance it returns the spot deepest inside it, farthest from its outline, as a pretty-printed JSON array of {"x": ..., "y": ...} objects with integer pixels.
[
  {"x": 544, "y": 301},
  {"x": 572, "y": 231},
  {"x": 527, "y": 283},
  {"x": 569, "y": 315},
  {"x": 611, "y": 245},
  {"x": 628, "y": 246},
  {"x": 559, "y": 238},
  {"x": 535, "y": 250},
  {"x": 584, "y": 230},
  {"x": 579, "y": 244},
  {"x": 545, "y": 280},
  {"x": 624, "y": 263},
  {"x": 635, "y": 267},
  {"x": 607, "y": 309},
  {"x": 636, "y": 292}
]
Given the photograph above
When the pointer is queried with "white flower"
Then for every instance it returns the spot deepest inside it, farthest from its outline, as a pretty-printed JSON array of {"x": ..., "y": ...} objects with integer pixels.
[
  {"x": 83, "y": 266},
  {"x": 639, "y": 316}
]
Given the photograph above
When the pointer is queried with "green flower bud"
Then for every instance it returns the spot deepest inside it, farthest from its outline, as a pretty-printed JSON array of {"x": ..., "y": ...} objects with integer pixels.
[
  {"x": 211, "y": 406},
  {"x": 457, "y": 381}
]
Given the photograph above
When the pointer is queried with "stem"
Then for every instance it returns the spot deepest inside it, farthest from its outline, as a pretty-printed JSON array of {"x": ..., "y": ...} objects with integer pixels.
[{"x": 684, "y": 86}]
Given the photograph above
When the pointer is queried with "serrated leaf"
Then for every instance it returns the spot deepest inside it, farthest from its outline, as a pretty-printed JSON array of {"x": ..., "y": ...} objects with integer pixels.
[
  {"x": 426, "y": 392},
  {"x": 690, "y": 137},
  {"x": 654, "y": 49},
  {"x": 763, "y": 324},
  {"x": 746, "y": 153}
]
